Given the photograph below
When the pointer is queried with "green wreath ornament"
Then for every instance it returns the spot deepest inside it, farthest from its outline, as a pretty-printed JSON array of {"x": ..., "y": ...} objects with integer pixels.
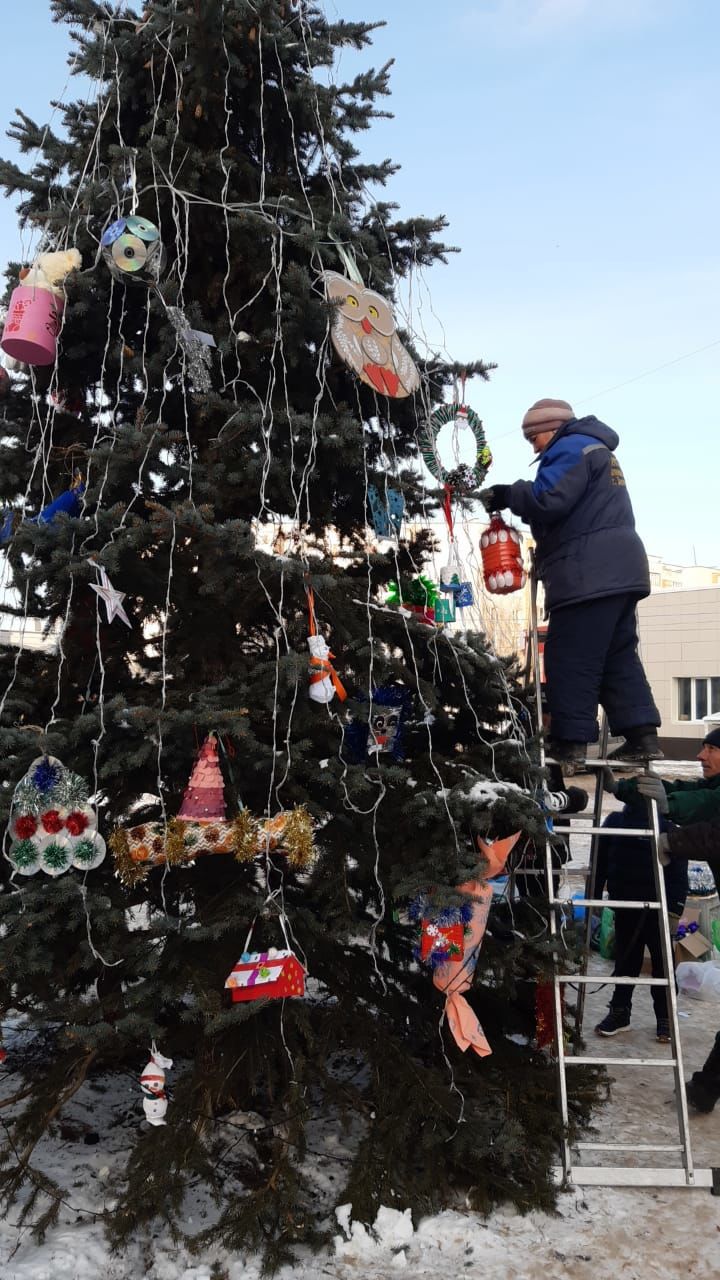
[{"x": 464, "y": 478}]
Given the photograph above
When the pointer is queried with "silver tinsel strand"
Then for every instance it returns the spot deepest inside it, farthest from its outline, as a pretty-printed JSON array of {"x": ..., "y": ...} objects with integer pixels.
[{"x": 198, "y": 356}]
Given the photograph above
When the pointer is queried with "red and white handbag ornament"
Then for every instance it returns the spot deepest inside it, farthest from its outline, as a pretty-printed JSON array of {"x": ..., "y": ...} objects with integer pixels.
[{"x": 502, "y": 558}]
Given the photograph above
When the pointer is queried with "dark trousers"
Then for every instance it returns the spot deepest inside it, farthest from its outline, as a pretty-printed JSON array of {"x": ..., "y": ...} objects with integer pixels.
[
  {"x": 635, "y": 930},
  {"x": 591, "y": 657}
]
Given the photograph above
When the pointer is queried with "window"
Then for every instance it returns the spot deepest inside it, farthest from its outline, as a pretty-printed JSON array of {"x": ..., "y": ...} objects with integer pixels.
[{"x": 697, "y": 697}]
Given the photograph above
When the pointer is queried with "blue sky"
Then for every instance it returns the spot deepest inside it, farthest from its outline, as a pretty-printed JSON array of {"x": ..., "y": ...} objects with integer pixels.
[{"x": 572, "y": 145}]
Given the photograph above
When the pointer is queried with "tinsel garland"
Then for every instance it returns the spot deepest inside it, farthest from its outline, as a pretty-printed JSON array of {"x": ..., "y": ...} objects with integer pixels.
[
  {"x": 136, "y": 850},
  {"x": 48, "y": 786}
]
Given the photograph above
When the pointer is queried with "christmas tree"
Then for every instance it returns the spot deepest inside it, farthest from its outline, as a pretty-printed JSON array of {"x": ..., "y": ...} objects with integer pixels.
[{"x": 220, "y": 456}]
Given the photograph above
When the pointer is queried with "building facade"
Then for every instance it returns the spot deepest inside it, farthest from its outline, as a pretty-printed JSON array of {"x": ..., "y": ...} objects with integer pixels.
[{"x": 680, "y": 647}]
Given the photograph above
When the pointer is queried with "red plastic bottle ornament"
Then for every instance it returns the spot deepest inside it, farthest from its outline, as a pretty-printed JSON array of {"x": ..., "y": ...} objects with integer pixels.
[{"x": 502, "y": 558}]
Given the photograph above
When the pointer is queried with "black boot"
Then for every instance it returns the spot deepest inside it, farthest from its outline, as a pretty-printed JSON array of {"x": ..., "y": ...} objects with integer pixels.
[
  {"x": 703, "y": 1090},
  {"x": 569, "y": 755},
  {"x": 641, "y": 743}
]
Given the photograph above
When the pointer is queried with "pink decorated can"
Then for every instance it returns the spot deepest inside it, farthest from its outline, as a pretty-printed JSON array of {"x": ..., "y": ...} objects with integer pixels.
[{"x": 32, "y": 325}]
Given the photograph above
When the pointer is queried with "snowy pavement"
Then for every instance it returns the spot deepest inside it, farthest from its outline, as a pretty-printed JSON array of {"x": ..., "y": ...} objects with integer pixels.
[{"x": 633, "y": 1233}]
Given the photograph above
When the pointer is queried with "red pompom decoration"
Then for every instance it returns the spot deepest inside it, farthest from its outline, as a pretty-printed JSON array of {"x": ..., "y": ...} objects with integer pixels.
[
  {"x": 76, "y": 823},
  {"x": 52, "y": 822},
  {"x": 26, "y": 827}
]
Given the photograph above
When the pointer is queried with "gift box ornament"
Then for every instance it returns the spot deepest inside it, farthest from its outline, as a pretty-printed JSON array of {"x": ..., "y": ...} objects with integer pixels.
[
  {"x": 440, "y": 943},
  {"x": 419, "y": 595},
  {"x": 52, "y": 826},
  {"x": 454, "y": 584},
  {"x": 502, "y": 558},
  {"x": 133, "y": 251},
  {"x": 444, "y": 610},
  {"x": 202, "y": 828},
  {"x": 152, "y": 1083},
  {"x": 266, "y": 975}
]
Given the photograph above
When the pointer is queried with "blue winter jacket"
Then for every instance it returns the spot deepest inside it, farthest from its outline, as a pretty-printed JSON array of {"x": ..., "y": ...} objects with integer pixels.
[{"x": 581, "y": 518}]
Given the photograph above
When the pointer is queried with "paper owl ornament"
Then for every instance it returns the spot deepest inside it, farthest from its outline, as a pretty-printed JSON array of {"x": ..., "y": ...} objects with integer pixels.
[
  {"x": 365, "y": 337},
  {"x": 133, "y": 251}
]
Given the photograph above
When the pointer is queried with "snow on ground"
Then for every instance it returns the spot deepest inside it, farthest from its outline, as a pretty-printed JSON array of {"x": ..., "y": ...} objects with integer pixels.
[{"x": 636, "y": 1234}]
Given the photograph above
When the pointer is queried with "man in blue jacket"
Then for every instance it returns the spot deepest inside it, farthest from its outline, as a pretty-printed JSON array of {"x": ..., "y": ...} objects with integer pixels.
[{"x": 594, "y": 570}]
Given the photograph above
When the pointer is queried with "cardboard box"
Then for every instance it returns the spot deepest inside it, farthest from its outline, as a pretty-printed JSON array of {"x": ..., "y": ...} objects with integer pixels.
[{"x": 694, "y": 946}]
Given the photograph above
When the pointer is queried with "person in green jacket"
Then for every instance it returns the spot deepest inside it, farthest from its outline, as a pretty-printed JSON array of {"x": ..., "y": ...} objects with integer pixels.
[{"x": 694, "y": 809}]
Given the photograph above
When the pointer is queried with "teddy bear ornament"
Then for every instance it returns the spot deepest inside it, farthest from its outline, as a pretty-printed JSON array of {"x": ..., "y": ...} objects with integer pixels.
[
  {"x": 36, "y": 306},
  {"x": 133, "y": 251}
]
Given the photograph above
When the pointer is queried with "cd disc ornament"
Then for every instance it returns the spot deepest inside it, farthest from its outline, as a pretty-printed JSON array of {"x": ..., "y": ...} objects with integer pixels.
[
  {"x": 464, "y": 478},
  {"x": 133, "y": 251},
  {"x": 52, "y": 826}
]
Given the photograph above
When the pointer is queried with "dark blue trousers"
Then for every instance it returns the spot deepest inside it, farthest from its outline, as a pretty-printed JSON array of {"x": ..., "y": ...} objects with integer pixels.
[{"x": 591, "y": 657}]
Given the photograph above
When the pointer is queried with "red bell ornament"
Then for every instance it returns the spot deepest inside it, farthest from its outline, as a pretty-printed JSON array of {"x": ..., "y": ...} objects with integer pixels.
[{"x": 502, "y": 558}]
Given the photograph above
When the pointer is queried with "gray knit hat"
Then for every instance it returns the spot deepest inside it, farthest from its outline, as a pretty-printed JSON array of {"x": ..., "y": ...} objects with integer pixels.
[
  {"x": 546, "y": 415},
  {"x": 712, "y": 739}
]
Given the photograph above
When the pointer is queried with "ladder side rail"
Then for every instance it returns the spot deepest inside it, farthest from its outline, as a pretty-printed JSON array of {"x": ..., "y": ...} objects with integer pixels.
[
  {"x": 669, "y": 969},
  {"x": 561, "y": 1077},
  {"x": 591, "y": 875}
]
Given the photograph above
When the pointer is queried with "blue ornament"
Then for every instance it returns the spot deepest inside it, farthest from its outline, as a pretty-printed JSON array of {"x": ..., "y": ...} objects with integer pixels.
[
  {"x": 464, "y": 596},
  {"x": 69, "y": 503},
  {"x": 45, "y": 776},
  {"x": 387, "y": 513},
  {"x": 113, "y": 233}
]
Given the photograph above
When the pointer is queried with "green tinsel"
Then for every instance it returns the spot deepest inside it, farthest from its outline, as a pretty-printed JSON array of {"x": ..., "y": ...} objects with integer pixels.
[
  {"x": 24, "y": 853},
  {"x": 418, "y": 591},
  {"x": 84, "y": 852},
  {"x": 56, "y": 855}
]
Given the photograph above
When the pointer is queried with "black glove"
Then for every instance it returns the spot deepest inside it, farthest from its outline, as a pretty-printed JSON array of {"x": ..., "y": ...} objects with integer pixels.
[
  {"x": 651, "y": 787},
  {"x": 569, "y": 800},
  {"x": 495, "y": 497}
]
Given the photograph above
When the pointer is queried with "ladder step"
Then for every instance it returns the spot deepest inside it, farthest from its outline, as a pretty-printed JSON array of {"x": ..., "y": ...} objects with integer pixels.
[
  {"x": 599, "y": 1176},
  {"x": 625, "y": 1146},
  {"x": 602, "y": 979},
  {"x": 603, "y": 831},
  {"x": 603, "y": 902},
  {"x": 620, "y": 1062},
  {"x": 618, "y": 766}
]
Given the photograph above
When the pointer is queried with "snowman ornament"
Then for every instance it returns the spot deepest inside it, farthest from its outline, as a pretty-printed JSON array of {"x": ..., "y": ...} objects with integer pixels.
[
  {"x": 152, "y": 1083},
  {"x": 321, "y": 688}
]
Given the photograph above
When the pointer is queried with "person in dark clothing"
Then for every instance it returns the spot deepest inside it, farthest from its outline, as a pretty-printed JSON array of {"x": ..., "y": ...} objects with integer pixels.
[
  {"x": 628, "y": 867},
  {"x": 594, "y": 570},
  {"x": 528, "y": 862},
  {"x": 695, "y": 807}
]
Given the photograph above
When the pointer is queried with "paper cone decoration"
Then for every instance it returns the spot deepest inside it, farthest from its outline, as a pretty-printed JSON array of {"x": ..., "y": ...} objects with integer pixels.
[
  {"x": 455, "y": 979},
  {"x": 204, "y": 799}
]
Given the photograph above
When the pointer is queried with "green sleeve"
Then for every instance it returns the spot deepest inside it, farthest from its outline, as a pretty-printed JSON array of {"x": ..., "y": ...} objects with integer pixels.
[
  {"x": 627, "y": 790},
  {"x": 699, "y": 804}
]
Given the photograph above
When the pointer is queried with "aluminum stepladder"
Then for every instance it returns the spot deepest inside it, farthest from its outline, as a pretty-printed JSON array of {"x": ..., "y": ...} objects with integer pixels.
[{"x": 570, "y": 1172}]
